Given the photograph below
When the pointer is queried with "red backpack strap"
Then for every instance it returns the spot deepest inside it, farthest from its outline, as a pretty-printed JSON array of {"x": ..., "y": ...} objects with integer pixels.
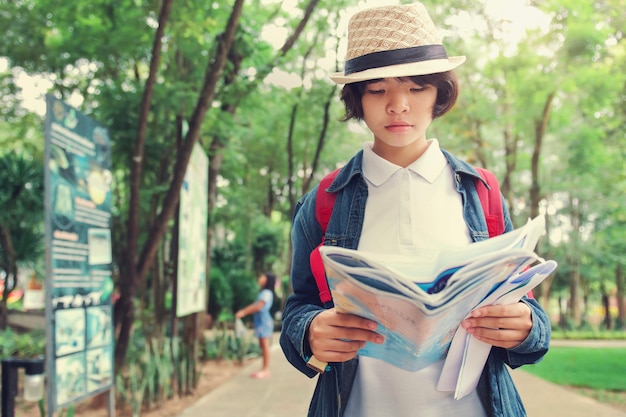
[
  {"x": 491, "y": 201},
  {"x": 324, "y": 203}
]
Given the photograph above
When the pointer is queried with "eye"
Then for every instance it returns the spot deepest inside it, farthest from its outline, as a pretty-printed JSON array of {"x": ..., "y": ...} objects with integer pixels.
[
  {"x": 417, "y": 89},
  {"x": 375, "y": 91}
]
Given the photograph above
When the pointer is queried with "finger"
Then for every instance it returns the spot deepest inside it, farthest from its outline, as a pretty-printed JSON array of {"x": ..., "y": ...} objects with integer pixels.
[
  {"x": 500, "y": 338},
  {"x": 510, "y": 310},
  {"x": 514, "y": 316},
  {"x": 350, "y": 320},
  {"x": 336, "y": 344},
  {"x": 336, "y": 350},
  {"x": 334, "y": 356},
  {"x": 331, "y": 324},
  {"x": 335, "y": 332},
  {"x": 330, "y": 339},
  {"x": 502, "y": 323},
  {"x": 332, "y": 317}
]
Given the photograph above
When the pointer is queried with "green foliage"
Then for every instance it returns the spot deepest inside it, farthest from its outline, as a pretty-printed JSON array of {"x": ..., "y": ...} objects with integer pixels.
[
  {"x": 229, "y": 272},
  {"x": 21, "y": 217},
  {"x": 221, "y": 293},
  {"x": 132, "y": 387},
  {"x": 151, "y": 370},
  {"x": 223, "y": 344},
  {"x": 233, "y": 283},
  {"x": 245, "y": 288},
  {"x": 21, "y": 188},
  {"x": 231, "y": 289},
  {"x": 266, "y": 247},
  {"x": 22, "y": 345},
  {"x": 598, "y": 368},
  {"x": 70, "y": 411},
  {"x": 20, "y": 129}
]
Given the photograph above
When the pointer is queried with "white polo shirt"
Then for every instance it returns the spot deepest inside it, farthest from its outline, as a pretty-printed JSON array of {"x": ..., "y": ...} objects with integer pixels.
[{"x": 408, "y": 211}]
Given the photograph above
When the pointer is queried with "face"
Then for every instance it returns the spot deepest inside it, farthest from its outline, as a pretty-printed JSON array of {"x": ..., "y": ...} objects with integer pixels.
[
  {"x": 398, "y": 112},
  {"x": 262, "y": 280}
]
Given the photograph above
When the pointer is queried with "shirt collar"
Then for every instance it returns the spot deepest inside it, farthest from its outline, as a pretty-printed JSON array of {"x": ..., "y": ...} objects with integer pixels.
[{"x": 378, "y": 170}]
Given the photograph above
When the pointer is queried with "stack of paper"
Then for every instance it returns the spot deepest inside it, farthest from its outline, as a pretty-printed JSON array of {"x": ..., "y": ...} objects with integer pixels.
[
  {"x": 467, "y": 356},
  {"x": 419, "y": 302}
]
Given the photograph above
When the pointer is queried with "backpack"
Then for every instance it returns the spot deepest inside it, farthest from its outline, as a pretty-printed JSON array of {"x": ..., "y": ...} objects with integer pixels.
[{"x": 324, "y": 202}]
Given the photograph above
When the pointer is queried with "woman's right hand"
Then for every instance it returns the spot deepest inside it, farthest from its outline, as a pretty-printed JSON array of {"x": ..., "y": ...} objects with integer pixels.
[{"x": 336, "y": 337}]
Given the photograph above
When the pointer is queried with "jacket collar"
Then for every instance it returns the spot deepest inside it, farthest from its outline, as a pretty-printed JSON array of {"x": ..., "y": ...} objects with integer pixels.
[{"x": 354, "y": 168}]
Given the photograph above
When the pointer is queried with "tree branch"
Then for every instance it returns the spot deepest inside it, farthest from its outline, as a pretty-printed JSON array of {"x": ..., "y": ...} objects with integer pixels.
[{"x": 212, "y": 75}]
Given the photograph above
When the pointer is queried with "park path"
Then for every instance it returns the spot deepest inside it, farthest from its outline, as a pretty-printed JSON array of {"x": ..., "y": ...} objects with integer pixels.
[{"x": 287, "y": 393}]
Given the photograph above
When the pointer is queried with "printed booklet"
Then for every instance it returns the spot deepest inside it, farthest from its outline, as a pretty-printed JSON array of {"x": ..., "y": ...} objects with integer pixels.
[{"x": 419, "y": 302}]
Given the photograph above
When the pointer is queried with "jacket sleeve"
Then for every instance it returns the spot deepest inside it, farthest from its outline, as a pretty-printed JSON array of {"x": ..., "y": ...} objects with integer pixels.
[
  {"x": 303, "y": 305},
  {"x": 536, "y": 344}
]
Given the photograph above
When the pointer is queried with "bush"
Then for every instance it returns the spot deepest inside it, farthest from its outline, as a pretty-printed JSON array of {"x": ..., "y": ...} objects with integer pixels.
[
  {"x": 223, "y": 344},
  {"x": 22, "y": 345},
  {"x": 220, "y": 292}
]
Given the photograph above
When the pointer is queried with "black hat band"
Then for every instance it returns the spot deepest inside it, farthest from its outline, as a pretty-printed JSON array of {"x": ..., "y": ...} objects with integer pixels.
[{"x": 395, "y": 57}]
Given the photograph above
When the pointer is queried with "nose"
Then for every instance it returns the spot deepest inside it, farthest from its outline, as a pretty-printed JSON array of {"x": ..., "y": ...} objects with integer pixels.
[{"x": 397, "y": 104}]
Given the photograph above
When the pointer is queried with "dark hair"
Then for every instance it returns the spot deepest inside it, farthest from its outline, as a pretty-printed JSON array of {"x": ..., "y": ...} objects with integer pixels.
[
  {"x": 270, "y": 282},
  {"x": 447, "y": 92}
]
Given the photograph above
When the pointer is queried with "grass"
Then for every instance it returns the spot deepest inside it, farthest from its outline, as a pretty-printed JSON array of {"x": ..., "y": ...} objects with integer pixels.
[
  {"x": 588, "y": 334},
  {"x": 597, "y": 368},
  {"x": 594, "y": 372}
]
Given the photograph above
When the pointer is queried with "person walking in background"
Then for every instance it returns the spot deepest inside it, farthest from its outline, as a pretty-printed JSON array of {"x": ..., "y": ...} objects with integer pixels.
[
  {"x": 401, "y": 194},
  {"x": 263, "y": 321}
]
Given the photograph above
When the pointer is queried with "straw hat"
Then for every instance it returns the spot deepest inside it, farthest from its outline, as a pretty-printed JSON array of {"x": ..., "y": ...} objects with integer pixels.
[{"x": 393, "y": 41}]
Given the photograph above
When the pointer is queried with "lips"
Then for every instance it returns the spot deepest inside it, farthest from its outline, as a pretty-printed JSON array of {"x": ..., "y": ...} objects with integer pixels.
[{"x": 398, "y": 127}]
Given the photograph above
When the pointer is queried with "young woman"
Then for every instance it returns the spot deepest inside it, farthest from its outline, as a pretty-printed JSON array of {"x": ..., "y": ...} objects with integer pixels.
[
  {"x": 401, "y": 194},
  {"x": 263, "y": 321}
]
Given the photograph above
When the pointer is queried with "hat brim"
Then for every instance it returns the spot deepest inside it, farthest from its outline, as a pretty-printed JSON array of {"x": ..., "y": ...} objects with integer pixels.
[{"x": 400, "y": 70}]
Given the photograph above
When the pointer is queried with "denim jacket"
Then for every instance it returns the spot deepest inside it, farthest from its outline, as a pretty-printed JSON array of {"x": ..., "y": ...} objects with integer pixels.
[{"x": 496, "y": 389}]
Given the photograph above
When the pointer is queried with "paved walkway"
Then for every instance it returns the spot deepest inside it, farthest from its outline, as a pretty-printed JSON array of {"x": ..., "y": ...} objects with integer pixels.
[{"x": 287, "y": 394}]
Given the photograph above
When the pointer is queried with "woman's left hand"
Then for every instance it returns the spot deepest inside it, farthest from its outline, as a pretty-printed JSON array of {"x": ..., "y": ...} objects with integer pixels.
[{"x": 504, "y": 326}]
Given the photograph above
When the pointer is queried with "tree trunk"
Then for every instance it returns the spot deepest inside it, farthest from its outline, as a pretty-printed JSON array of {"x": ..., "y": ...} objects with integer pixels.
[
  {"x": 321, "y": 139},
  {"x": 621, "y": 300},
  {"x": 542, "y": 292},
  {"x": 574, "y": 286},
  {"x": 606, "y": 310},
  {"x": 291, "y": 172},
  {"x": 215, "y": 164},
  {"x": 540, "y": 130},
  {"x": 584, "y": 315},
  {"x": 10, "y": 268},
  {"x": 191, "y": 334},
  {"x": 574, "y": 262},
  {"x": 137, "y": 268},
  {"x": 562, "y": 312},
  {"x": 125, "y": 312},
  {"x": 510, "y": 158}
]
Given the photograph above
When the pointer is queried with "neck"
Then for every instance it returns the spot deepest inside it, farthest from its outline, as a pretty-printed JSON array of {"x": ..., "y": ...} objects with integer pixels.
[{"x": 402, "y": 156}]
